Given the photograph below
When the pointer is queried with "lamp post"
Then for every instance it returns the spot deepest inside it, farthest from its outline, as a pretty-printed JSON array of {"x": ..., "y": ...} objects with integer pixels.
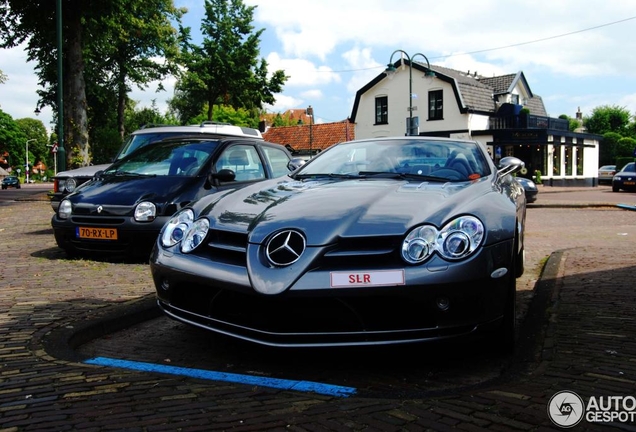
[
  {"x": 26, "y": 158},
  {"x": 61, "y": 153},
  {"x": 390, "y": 70},
  {"x": 310, "y": 112}
]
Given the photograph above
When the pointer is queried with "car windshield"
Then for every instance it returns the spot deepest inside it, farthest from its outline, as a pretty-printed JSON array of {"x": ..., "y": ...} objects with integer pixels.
[
  {"x": 182, "y": 158},
  {"x": 423, "y": 159}
]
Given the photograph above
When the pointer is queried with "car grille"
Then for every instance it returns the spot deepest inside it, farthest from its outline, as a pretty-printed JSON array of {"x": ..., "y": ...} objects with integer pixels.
[{"x": 231, "y": 248}]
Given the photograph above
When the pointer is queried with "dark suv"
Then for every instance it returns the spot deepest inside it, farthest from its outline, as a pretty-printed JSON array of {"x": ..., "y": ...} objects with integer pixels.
[
  {"x": 11, "y": 181},
  {"x": 121, "y": 211},
  {"x": 66, "y": 182}
]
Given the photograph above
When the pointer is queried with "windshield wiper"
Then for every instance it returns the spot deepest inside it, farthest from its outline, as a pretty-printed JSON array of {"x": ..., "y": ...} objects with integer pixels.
[
  {"x": 327, "y": 175},
  {"x": 401, "y": 176},
  {"x": 127, "y": 174}
]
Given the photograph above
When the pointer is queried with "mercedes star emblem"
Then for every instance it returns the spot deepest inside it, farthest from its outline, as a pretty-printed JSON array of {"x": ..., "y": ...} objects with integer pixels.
[{"x": 285, "y": 248}]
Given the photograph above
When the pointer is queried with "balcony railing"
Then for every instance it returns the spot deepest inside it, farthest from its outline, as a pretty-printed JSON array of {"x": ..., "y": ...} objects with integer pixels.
[{"x": 528, "y": 122}]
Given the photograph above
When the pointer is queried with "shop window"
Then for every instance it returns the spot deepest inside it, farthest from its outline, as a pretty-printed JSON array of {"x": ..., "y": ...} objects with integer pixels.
[
  {"x": 579, "y": 160},
  {"x": 569, "y": 161},
  {"x": 556, "y": 161}
]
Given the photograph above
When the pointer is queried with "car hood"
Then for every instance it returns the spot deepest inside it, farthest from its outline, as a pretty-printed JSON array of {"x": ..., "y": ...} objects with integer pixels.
[
  {"x": 327, "y": 209},
  {"x": 129, "y": 190},
  {"x": 87, "y": 171}
]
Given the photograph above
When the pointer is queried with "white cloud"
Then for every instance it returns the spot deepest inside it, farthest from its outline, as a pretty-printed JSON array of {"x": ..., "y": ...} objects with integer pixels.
[
  {"x": 283, "y": 103},
  {"x": 301, "y": 72},
  {"x": 573, "y": 53}
]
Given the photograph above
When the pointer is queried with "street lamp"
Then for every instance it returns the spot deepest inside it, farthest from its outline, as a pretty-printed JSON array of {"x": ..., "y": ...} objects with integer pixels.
[
  {"x": 310, "y": 113},
  {"x": 26, "y": 157},
  {"x": 390, "y": 70}
]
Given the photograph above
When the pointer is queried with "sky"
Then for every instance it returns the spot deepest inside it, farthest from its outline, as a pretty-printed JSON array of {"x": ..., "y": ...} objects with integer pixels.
[{"x": 574, "y": 54}]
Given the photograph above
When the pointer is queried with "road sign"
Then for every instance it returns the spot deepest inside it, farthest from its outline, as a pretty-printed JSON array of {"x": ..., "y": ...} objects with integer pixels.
[{"x": 54, "y": 148}]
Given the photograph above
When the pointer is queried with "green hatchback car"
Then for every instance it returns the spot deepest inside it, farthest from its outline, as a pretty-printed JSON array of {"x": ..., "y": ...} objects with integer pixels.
[{"x": 10, "y": 181}]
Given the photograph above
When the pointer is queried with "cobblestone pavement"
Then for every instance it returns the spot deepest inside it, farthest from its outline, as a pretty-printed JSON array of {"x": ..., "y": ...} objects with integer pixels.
[{"x": 578, "y": 335}]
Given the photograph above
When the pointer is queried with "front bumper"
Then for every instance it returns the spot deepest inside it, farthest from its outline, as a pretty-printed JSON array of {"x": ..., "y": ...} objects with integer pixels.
[
  {"x": 439, "y": 300},
  {"x": 134, "y": 239}
]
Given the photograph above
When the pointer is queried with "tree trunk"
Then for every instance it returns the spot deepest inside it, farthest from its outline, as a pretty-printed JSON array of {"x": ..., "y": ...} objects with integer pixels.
[
  {"x": 121, "y": 101},
  {"x": 75, "y": 105}
]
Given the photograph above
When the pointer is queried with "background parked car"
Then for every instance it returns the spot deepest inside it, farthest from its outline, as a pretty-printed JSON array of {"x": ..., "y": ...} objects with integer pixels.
[
  {"x": 11, "y": 181},
  {"x": 66, "y": 182},
  {"x": 530, "y": 189},
  {"x": 606, "y": 174},
  {"x": 120, "y": 212},
  {"x": 378, "y": 241},
  {"x": 625, "y": 179}
]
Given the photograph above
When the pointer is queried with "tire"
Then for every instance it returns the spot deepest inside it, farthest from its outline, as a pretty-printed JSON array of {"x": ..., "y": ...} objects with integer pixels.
[
  {"x": 504, "y": 336},
  {"x": 520, "y": 263},
  {"x": 615, "y": 188}
]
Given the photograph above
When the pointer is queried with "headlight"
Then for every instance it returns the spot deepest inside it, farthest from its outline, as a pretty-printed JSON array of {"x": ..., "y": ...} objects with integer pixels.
[
  {"x": 65, "y": 209},
  {"x": 195, "y": 235},
  {"x": 456, "y": 240},
  {"x": 419, "y": 244},
  {"x": 176, "y": 227},
  {"x": 618, "y": 178},
  {"x": 145, "y": 212},
  {"x": 70, "y": 185},
  {"x": 461, "y": 237}
]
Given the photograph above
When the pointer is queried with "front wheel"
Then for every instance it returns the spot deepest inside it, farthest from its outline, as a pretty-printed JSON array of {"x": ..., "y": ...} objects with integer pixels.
[{"x": 615, "y": 188}]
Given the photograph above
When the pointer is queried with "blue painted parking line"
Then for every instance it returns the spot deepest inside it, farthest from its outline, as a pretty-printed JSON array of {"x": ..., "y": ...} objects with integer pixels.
[{"x": 302, "y": 386}]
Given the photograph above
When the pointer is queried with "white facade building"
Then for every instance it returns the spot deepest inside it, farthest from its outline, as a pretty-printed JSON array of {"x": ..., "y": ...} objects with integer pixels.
[{"x": 501, "y": 112}]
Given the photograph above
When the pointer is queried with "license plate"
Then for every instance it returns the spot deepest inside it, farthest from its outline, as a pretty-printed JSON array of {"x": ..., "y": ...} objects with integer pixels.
[
  {"x": 367, "y": 278},
  {"x": 629, "y": 183},
  {"x": 96, "y": 233}
]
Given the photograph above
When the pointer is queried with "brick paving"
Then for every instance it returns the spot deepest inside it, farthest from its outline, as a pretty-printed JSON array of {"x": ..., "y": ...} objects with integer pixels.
[{"x": 579, "y": 335}]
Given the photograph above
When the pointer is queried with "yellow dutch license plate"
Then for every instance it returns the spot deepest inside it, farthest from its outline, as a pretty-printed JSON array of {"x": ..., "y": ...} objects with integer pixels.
[
  {"x": 96, "y": 233},
  {"x": 629, "y": 183}
]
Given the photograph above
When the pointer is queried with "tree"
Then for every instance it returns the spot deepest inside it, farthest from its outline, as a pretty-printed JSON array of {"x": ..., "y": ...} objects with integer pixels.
[
  {"x": 608, "y": 148},
  {"x": 625, "y": 147},
  {"x": 98, "y": 38},
  {"x": 573, "y": 124},
  {"x": 140, "y": 32},
  {"x": 12, "y": 143},
  {"x": 224, "y": 70},
  {"x": 608, "y": 118},
  {"x": 34, "y": 129}
]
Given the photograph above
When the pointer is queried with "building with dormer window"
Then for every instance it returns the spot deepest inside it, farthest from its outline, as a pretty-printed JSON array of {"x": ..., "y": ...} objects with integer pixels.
[{"x": 502, "y": 112}]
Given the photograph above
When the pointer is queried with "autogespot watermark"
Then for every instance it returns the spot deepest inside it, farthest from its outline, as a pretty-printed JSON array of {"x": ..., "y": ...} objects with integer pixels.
[{"x": 567, "y": 409}]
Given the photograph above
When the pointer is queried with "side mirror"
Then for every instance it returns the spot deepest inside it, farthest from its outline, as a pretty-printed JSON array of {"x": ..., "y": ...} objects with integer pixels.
[
  {"x": 295, "y": 163},
  {"x": 98, "y": 174},
  {"x": 510, "y": 165},
  {"x": 224, "y": 175}
]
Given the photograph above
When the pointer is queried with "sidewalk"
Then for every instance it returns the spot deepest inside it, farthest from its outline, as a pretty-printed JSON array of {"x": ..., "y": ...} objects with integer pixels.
[{"x": 578, "y": 335}]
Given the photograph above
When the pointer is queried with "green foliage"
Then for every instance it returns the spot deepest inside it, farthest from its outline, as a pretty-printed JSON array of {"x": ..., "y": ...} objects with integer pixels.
[
  {"x": 284, "y": 120},
  {"x": 239, "y": 117},
  {"x": 608, "y": 148},
  {"x": 537, "y": 177},
  {"x": 38, "y": 150},
  {"x": 573, "y": 124},
  {"x": 224, "y": 70},
  {"x": 625, "y": 147},
  {"x": 608, "y": 118},
  {"x": 12, "y": 143},
  {"x": 622, "y": 161}
]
